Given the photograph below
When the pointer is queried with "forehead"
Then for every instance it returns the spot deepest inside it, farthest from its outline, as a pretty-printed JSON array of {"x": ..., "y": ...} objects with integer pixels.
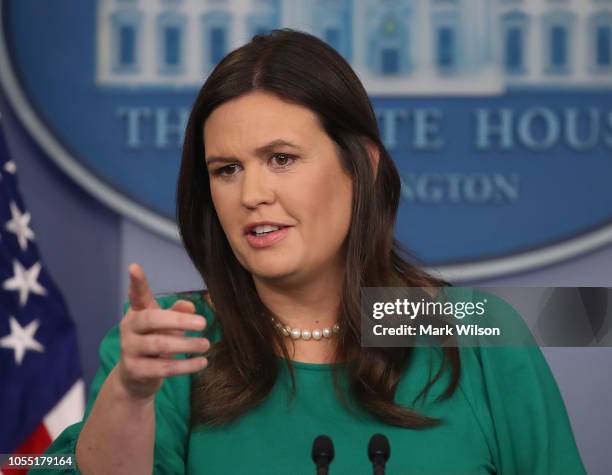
[{"x": 256, "y": 118}]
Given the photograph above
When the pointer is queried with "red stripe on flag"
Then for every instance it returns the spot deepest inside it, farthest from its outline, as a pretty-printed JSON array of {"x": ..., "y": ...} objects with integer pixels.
[{"x": 37, "y": 443}]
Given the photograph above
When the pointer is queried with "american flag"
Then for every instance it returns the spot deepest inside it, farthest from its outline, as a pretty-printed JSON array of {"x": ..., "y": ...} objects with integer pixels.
[{"x": 41, "y": 387}]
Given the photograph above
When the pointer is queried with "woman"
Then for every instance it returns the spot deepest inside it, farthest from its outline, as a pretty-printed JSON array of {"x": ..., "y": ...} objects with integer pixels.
[{"x": 286, "y": 205}]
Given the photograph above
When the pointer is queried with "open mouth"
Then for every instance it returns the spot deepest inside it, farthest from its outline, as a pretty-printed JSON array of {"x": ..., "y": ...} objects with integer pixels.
[
  {"x": 267, "y": 230},
  {"x": 267, "y": 235}
]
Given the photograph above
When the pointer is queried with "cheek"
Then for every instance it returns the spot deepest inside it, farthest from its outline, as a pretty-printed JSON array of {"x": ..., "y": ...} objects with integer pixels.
[
  {"x": 331, "y": 208},
  {"x": 343, "y": 199},
  {"x": 222, "y": 203},
  {"x": 344, "y": 206}
]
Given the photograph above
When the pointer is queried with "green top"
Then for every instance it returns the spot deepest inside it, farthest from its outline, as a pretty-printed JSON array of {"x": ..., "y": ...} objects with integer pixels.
[{"x": 507, "y": 416}]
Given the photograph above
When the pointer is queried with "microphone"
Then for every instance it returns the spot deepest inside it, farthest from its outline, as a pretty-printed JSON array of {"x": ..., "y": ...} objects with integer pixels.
[
  {"x": 322, "y": 453},
  {"x": 379, "y": 452}
]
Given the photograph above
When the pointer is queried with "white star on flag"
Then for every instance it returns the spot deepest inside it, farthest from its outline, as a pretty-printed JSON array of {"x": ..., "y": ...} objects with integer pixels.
[
  {"x": 18, "y": 225},
  {"x": 24, "y": 280},
  {"x": 21, "y": 339},
  {"x": 10, "y": 167}
]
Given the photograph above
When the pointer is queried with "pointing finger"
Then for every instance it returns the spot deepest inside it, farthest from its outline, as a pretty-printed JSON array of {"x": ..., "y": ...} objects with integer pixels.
[{"x": 139, "y": 293}]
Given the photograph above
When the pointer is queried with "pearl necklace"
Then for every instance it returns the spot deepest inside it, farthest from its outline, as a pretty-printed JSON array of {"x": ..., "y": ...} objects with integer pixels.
[{"x": 296, "y": 333}]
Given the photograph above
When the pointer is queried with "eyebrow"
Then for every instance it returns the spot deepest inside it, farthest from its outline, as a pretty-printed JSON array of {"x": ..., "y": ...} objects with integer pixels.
[{"x": 259, "y": 151}]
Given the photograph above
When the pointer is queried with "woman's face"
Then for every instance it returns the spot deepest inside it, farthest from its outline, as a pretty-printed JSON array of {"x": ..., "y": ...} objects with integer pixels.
[{"x": 300, "y": 184}]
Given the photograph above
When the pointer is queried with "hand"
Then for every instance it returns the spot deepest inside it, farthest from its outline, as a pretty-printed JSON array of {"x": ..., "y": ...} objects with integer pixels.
[{"x": 151, "y": 336}]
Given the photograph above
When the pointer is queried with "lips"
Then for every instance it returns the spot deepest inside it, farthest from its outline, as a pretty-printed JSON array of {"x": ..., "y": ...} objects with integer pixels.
[
  {"x": 249, "y": 227},
  {"x": 268, "y": 239}
]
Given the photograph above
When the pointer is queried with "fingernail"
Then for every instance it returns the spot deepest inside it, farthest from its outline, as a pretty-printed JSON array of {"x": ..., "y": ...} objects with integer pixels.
[{"x": 198, "y": 321}]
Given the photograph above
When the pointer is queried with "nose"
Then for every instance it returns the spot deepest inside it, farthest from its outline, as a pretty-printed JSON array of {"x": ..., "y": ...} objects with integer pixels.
[{"x": 255, "y": 188}]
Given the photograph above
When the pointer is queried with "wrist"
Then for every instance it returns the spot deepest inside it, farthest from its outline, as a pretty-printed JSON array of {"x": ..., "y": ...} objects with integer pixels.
[{"x": 123, "y": 395}]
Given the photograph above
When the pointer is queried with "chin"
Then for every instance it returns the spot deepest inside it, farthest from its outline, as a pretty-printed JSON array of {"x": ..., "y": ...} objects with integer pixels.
[
  {"x": 276, "y": 274},
  {"x": 273, "y": 272}
]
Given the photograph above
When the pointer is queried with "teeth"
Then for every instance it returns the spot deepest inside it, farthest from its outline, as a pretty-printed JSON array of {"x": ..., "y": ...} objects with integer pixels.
[{"x": 264, "y": 229}]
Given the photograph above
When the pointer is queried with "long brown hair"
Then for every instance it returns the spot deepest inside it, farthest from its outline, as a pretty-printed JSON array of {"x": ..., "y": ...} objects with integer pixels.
[{"x": 243, "y": 366}]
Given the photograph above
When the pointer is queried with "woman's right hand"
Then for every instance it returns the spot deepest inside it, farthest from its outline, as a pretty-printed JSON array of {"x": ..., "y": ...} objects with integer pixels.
[{"x": 150, "y": 336}]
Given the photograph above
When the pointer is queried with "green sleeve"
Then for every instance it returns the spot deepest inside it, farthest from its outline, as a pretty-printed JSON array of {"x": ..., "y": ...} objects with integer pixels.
[
  {"x": 530, "y": 422},
  {"x": 171, "y": 410}
]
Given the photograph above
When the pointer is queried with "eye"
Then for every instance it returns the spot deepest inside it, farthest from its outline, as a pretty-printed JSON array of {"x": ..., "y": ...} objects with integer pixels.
[
  {"x": 284, "y": 159},
  {"x": 223, "y": 171}
]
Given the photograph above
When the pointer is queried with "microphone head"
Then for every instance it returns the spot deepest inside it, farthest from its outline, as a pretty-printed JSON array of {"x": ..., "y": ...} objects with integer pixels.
[
  {"x": 322, "y": 447},
  {"x": 378, "y": 448}
]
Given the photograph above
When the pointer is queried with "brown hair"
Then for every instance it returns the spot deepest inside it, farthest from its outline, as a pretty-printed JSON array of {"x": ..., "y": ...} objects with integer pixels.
[{"x": 243, "y": 366}]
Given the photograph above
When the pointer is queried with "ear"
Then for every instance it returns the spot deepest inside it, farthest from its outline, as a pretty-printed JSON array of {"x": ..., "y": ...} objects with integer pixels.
[{"x": 373, "y": 152}]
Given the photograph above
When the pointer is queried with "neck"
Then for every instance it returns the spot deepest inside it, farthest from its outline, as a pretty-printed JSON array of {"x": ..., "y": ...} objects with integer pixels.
[
  {"x": 305, "y": 305},
  {"x": 311, "y": 352}
]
